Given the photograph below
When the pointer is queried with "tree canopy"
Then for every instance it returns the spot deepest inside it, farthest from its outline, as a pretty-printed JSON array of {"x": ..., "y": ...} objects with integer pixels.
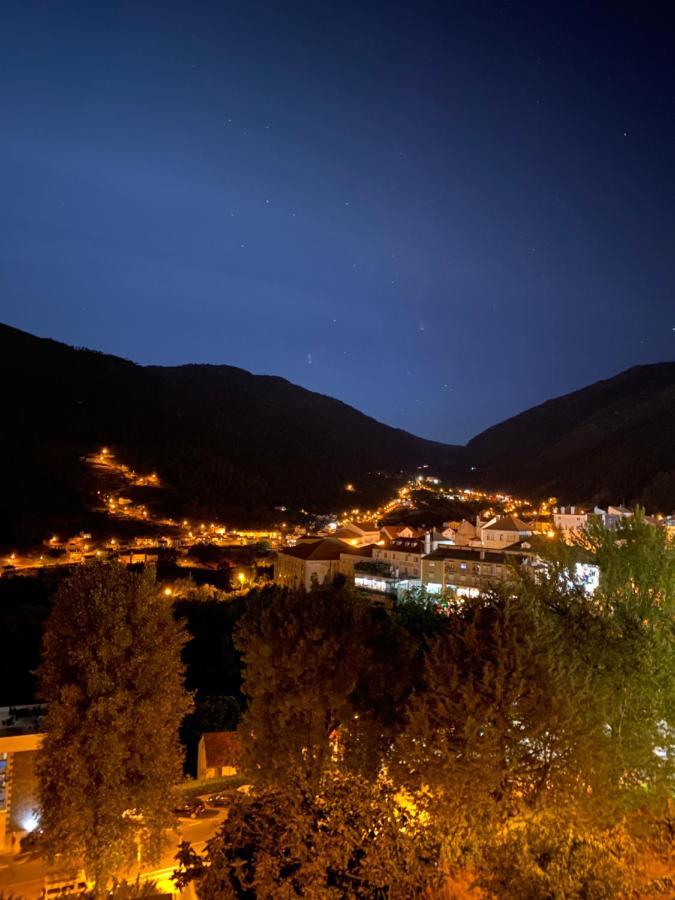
[
  {"x": 113, "y": 678},
  {"x": 526, "y": 737}
]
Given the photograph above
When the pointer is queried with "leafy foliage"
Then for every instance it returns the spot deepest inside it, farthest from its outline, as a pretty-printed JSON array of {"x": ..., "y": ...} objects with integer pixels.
[
  {"x": 302, "y": 657},
  {"x": 113, "y": 679},
  {"x": 532, "y": 728},
  {"x": 350, "y": 838},
  {"x": 547, "y": 859}
]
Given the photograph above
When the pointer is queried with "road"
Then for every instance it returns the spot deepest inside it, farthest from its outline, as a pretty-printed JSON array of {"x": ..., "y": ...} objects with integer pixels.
[{"x": 23, "y": 876}]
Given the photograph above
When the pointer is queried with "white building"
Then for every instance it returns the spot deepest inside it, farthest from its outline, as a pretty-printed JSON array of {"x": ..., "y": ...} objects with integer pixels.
[
  {"x": 503, "y": 532},
  {"x": 316, "y": 562},
  {"x": 403, "y": 555}
]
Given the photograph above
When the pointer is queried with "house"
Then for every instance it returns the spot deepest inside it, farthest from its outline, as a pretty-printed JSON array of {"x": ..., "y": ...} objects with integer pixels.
[
  {"x": 460, "y": 533},
  {"x": 502, "y": 532},
  {"x": 614, "y": 515},
  {"x": 314, "y": 562},
  {"x": 568, "y": 519},
  {"x": 392, "y": 532},
  {"x": 218, "y": 754},
  {"x": 469, "y": 570}
]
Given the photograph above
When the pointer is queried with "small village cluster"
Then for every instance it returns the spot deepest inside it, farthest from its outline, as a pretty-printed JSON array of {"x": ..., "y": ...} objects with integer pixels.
[{"x": 465, "y": 557}]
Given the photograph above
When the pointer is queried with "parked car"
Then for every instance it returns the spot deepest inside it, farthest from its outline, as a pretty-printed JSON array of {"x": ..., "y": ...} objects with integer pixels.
[
  {"x": 190, "y": 809},
  {"x": 224, "y": 798}
]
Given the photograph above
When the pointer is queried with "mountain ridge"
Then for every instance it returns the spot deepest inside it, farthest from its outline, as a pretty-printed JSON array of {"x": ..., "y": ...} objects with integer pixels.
[
  {"x": 236, "y": 445},
  {"x": 229, "y": 443}
]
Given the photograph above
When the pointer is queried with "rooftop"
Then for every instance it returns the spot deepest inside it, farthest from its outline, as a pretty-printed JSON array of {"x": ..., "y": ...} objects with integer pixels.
[
  {"x": 508, "y": 523},
  {"x": 323, "y": 549},
  {"x": 472, "y": 555}
]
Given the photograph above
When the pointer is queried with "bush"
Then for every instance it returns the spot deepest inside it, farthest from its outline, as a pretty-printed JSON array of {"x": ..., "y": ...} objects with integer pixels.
[{"x": 547, "y": 860}]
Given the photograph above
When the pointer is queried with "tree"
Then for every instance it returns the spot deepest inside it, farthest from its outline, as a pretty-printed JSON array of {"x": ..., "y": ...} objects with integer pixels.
[
  {"x": 389, "y": 671},
  {"x": 492, "y": 727},
  {"x": 112, "y": 676},
  {"x": 303, "y": 654},
  {"x": 546, "y": 716},
  {"x": 345, "y": 838}
]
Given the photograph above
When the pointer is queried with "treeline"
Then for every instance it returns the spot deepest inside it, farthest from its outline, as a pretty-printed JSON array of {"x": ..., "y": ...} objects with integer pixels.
[{"x": 522, "y": 743}]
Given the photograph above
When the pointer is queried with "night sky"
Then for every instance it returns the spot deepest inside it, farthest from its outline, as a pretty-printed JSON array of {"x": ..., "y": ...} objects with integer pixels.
[{"x": 439, "y": 213}]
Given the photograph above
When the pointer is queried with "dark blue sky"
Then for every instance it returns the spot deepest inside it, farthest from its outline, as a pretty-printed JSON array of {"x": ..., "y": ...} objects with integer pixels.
[{"x": 439, "y": 213}]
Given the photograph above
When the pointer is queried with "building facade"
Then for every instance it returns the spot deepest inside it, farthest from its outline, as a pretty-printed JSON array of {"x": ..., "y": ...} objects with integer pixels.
[
  {"x": 469, "y": 571},
  {"x": 313, "y": 563},
  {"x": 20, "y": 739},
  {"x": 503, "y": 532},
  {"x": 403, "y": 555},
  {"x": 218, "y": 754}
]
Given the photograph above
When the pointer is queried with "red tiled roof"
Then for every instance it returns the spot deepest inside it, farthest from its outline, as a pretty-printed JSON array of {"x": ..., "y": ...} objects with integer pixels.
[
  {"x": 222, "y": 748},
  {"x": 507, "y": 523},
  {"x": 325, "y": 549}
]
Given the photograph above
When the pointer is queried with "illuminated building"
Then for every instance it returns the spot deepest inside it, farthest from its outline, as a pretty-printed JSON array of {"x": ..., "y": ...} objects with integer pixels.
[
  {"x": 503, "y": 532},
  {"x": 20, "y": 738},
  {"x": 469, "y": 570},
  {"x": 316, "y": 562}
]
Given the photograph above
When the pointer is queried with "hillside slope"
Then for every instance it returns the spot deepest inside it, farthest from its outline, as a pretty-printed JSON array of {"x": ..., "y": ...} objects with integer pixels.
[
  {"x": 228, "y": 443},
  {"x": 611, "y": 441},
  {"x": 232, "y": 445}
]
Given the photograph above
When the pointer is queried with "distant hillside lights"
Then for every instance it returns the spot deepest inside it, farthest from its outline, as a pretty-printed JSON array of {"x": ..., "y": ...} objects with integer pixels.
[{"x": 465, "y": 557}]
